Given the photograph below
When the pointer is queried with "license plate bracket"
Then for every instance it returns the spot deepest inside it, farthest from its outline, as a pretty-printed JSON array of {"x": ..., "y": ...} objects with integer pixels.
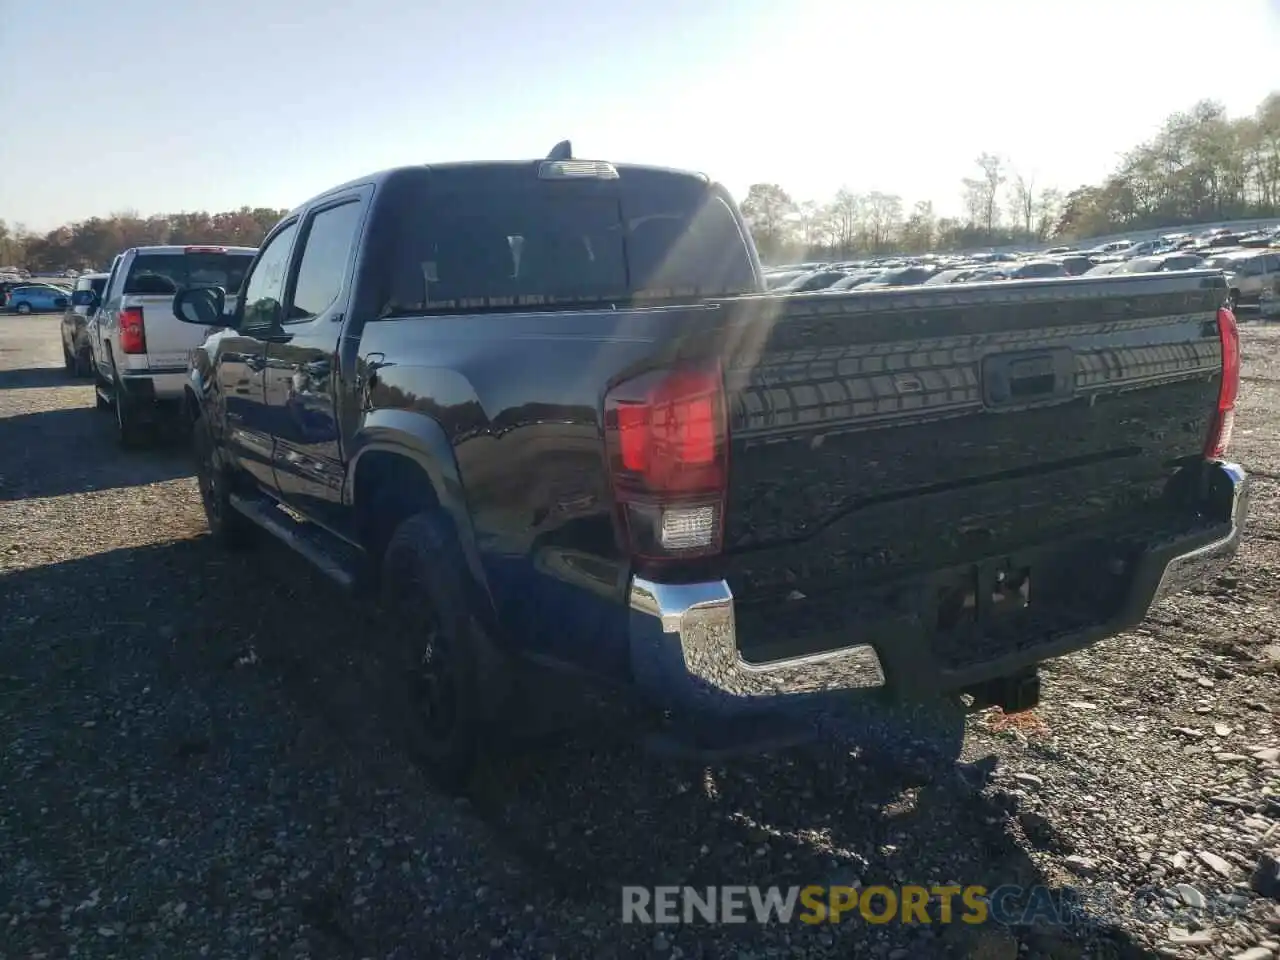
[
  {"x": 983, "y": 594},
  {"x": 1028, "y": 378}
]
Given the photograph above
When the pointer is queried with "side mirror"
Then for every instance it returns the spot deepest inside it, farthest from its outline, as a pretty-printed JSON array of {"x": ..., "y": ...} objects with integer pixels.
[
  {"x": 204, "y": 306},
  {"x": 84, "y": 298}
]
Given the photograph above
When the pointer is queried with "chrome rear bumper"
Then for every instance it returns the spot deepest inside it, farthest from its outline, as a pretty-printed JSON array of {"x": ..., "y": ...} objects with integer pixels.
[{"x": 684, "y": 643}]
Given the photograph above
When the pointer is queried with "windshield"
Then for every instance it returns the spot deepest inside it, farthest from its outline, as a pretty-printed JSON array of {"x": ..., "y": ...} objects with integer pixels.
[
  {"x": 167, "y": 273},
  {"x": 521, "y": 248}
]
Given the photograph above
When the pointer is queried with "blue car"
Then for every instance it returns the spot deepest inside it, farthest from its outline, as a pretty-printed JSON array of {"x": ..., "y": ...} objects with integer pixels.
[{"x": 38, "y": 297}]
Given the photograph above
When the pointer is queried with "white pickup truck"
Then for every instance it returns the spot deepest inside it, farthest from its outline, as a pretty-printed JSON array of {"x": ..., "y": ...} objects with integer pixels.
[{"x": 139, "y": 348}]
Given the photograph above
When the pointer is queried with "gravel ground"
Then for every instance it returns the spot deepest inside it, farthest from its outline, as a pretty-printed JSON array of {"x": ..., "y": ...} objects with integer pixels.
[{"x": 190, "y": 770}]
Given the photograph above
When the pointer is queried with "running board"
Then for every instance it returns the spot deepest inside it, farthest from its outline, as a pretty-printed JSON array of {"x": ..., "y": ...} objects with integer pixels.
[{"x": 331, "y": 556}]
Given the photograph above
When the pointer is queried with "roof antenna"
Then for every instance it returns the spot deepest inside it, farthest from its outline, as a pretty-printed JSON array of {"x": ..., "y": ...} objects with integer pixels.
[{"x": 561, "y": 151}]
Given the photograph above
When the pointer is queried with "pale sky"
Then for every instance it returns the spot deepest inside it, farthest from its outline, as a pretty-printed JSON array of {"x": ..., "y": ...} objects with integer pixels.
[{"x": 170, "y": 105}]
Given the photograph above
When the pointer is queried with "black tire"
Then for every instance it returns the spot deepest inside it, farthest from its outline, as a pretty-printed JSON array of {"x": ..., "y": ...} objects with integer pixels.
[
  {"x": 68, "y": 362},
  {"x": 132, "y": 431},
  {"x": 442, "y": 683},
  {"x": 229, "y": 528},
  {"x": 83, "y": 364},
  {"x": 23, "y": 308}
]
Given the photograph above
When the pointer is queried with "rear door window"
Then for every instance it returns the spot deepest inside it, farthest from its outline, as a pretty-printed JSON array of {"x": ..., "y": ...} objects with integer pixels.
[
  {"x": 325, "y": 256},
  {"x": 164, "y": 274}
]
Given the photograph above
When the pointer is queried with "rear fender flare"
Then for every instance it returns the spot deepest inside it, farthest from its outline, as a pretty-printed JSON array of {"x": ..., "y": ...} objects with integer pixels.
[{"x": 423, "y": 441}]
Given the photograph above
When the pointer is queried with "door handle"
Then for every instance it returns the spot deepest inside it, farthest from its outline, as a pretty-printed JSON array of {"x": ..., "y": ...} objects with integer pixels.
[
  {"x": 367, "y": 374},
  {"x": 369, "y": 369}
]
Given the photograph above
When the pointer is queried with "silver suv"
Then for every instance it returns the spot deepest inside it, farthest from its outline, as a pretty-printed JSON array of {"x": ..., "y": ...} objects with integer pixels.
[{"x": 1248, "y": 272}]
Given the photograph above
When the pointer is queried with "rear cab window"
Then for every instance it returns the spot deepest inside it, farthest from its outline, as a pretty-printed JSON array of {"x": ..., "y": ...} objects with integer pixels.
[
  {"x": 164, "y": 273},
  {"x": 517, "y": 241}
]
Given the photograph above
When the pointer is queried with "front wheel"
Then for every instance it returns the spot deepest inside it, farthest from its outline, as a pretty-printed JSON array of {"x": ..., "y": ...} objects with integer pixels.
[{"x": 230, "y": 528}]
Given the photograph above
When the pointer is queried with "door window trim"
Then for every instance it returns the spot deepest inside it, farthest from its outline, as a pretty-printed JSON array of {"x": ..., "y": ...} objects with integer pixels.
[
  {"x": 269, "y": 239},
  {"x": 308, "y": 220}
]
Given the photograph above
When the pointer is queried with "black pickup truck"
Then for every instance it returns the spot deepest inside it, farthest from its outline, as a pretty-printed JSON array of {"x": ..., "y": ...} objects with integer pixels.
[{"x": 548, "y": 412}]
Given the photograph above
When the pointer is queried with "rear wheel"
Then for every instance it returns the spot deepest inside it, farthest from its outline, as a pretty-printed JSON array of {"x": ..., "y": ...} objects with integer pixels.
[
  {"x": 83, "y": 363},
  {"x": 23, "y": 308},
  {"x": 131, "y": 429},
  {"x": 441, "y": 681},
  {"x": 68, "y": 361}
]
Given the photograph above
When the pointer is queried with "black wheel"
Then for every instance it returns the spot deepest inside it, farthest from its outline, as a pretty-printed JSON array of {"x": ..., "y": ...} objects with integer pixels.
[
  {"x": 229, "y": 527},
  {"x": 131, "y": 430},
  {"x": 83, "y": 364},
  {"x": 23, "y": 308},
  {"x": 68, "y": 361},
  {"x": 442, "y": 682}
]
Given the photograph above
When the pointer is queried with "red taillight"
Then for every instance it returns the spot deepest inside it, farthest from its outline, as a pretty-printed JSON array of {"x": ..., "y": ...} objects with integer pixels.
[
  {"x": 1225, "y": 413},
  {"x": 133, "y": 335},
  {"x": 667, "y": 436}
]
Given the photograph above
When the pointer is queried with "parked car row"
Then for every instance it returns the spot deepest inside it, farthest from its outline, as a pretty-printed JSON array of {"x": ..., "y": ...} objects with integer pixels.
[
  {"x": 25, "y": 296},
  {"x": 1250, "y": 262}
]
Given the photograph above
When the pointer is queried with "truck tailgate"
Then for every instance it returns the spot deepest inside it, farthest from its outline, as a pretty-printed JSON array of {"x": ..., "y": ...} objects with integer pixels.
[
  {"x": 876, "y": 435},
  {"x": 169, "y": 340}
]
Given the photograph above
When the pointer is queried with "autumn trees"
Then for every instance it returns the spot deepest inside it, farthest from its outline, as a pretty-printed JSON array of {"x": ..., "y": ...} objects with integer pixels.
[
  {"x": 90, "y": 244},
  {"x": 1203, "y": 166}
]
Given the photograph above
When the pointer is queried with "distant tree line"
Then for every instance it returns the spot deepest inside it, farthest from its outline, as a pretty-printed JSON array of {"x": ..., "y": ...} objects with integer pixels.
[
  {"x": 91, "y": 244},
  {"x": 1202, "y": 166}
]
